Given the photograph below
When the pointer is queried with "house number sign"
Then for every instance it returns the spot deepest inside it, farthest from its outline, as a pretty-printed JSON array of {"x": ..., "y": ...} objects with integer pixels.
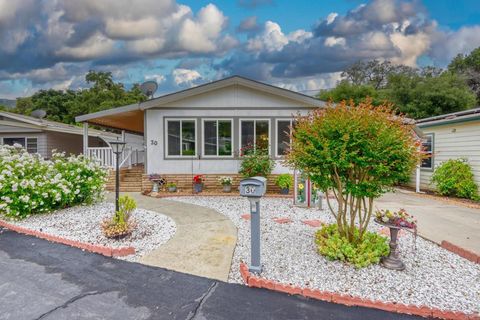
[{"x": 153, "y": 142}]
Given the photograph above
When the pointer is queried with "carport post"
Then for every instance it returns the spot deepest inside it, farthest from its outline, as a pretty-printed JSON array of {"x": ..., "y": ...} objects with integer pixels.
[
  {"x": 417, "y": 179},
  {"x": 85, "y": 139}
]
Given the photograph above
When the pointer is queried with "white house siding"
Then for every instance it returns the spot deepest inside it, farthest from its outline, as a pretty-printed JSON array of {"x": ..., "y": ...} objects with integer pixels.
[
  {"x": 453, "y": 141},
  {"x": 229, "y": 103}
]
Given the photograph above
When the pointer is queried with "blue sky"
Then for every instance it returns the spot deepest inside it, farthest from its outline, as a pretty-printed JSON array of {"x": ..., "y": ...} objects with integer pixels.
[{"x": 300, "y": 45}]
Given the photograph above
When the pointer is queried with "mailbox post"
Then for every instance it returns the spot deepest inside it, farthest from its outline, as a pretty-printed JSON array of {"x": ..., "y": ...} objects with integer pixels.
[{"x": 254, "y": 188}]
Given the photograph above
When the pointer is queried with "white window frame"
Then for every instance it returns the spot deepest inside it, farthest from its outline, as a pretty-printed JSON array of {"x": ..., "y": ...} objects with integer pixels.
[
  {"x": 21, "y": 137},
  {"x": 276, "y": 135},
  {"x": 203, "y": 137},
  {"x": 166, "y": 138},
  {"x": 432, "y": 136},
  {"x": 255, "y": 132}
]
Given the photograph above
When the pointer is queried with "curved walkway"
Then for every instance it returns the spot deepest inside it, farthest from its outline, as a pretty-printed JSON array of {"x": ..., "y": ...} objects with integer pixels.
[{"x": 202, "y": 245}]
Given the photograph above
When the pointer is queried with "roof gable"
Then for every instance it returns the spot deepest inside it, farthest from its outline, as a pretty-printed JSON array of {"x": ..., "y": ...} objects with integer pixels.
[{"x": 237, "y": 87}]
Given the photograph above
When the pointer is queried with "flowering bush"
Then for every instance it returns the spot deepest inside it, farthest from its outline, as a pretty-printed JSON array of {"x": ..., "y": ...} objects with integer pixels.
[
  {"x": 225, "y": 180},
  {"x": 255, "y": 162},
  {"x": 198, "y": 179},
  {"x": 31, "y": 185},
  {"x": 397, "y": 218}
]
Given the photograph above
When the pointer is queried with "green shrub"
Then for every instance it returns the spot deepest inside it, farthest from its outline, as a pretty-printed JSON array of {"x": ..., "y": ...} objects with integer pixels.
[
  {"x": 120, "y": 224},
  {"x": 255, "y": 162},
  {"x": 454, "y": 177},
  {"x": 284, "y": 181},
  {"x": 31, "y": 185},
  {"x": 362, "y": 253}
]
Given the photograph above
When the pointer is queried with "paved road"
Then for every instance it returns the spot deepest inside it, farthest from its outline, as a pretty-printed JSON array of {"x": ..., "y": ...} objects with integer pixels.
[
  {"x": 43, "y": 280},
  {"x": 438, "y": 220}
]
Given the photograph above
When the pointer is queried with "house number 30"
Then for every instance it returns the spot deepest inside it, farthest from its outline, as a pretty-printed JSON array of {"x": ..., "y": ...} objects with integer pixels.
[{"x": 153, "y": 142}]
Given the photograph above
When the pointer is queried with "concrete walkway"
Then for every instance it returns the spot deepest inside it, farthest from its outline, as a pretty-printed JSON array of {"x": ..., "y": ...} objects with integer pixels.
[
  {"x": 202, "y": 245},
  {"x": 438, "y": 220}
]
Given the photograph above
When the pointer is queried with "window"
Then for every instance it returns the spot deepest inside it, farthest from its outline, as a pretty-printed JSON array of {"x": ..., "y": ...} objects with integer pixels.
[
  {"x": 30, "y": 143},
  {"x": 427, "y": 147},
  {"x": 12, "y": 141},
  {"x": 283, "y": 136},
  {"x": 181, "y": 137},
  {"x": 255, "y": 133},
  {"x": 217, "y": 138}
]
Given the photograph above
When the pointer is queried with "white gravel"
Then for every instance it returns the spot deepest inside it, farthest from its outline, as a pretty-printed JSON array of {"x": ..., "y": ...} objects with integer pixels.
[
  {"x": 82, "y": 223},
  {"x": 434, "y": 276}
]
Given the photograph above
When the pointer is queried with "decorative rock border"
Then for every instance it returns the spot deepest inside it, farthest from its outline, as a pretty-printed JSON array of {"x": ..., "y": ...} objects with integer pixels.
[
  {"x": 424, "y": 311},
  {"x": 106, "y": 251},
  {"x": 464, "y": 253}
]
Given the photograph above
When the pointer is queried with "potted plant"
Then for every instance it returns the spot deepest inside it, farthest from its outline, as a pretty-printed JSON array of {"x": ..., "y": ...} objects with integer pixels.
[
  {"x": 284, "y": 182},
  {"x": 157, "y": 180},
  {"x": 172, "y": 187},
  {"x": 226, "y": 182},
  {"x": 198, "y": 183},
  {"x": 395, "y": 220}
]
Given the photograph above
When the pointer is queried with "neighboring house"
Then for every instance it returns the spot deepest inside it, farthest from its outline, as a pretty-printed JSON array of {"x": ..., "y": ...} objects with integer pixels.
[
  {"x": 201, "y": 130},
  {"x": 42, "y": 136},
  {"x": 450, "y": 136}
]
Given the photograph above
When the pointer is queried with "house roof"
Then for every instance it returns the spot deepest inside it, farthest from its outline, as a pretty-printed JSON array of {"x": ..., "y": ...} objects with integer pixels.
[
  {"x": 455, "y": 117},
  {"x": 130, "y": 117},
  {"x": 19, "y": 120}
]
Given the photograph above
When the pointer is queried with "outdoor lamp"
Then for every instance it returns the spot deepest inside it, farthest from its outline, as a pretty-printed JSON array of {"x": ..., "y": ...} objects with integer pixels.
[{"x": 117, "y": 148}]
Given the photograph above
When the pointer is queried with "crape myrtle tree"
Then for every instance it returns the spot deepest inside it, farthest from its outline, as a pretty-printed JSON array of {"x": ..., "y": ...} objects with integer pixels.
[{"x": 357, "y": 152}]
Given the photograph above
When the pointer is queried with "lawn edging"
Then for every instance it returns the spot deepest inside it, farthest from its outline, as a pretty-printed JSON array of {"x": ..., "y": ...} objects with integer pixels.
[
  {"x": 464, "y": 253},
  {"x": 103, "y": 250},
  {"x": 424, "y": 311}
]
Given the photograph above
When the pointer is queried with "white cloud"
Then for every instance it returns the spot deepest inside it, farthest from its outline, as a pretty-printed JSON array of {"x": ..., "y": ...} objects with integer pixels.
[
  {"x": 333, "y": 41},
  {"x": 331, "y": 17},
  {"x": 200, "y": 34},
  {"x": 185, "y": 76},
  {"x": 273, "y": 39}
]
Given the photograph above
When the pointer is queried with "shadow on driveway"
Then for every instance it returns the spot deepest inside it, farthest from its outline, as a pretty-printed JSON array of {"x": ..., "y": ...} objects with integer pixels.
[{"x": 44, "y": 280}]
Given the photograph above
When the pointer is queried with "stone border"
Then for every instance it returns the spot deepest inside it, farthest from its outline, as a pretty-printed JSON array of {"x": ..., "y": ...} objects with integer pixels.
[
  {"x": 464, "y": 253},
  {"x": 163, "y": 194},
  {"x": 424, "y": 311},
  {"x": 106, "y": 251}
]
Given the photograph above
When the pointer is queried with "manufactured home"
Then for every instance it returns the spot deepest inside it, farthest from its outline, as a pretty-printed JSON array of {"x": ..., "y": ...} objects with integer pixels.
[
  {"x": 201, "y": 130},
  {"x": 449, "y": 136}
]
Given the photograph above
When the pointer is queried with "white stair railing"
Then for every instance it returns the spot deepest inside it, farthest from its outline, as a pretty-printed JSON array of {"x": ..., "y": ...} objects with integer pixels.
[{"x": 106, "y": 157}]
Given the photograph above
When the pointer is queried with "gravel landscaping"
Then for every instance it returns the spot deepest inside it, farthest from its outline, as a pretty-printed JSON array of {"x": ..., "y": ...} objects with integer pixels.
[
  {"x": 82, "y": 223},
  {"x": 434, "y": 276}
]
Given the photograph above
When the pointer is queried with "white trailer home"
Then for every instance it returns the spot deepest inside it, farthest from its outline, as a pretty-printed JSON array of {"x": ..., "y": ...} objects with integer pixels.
[{"x": 201, "y": 130}]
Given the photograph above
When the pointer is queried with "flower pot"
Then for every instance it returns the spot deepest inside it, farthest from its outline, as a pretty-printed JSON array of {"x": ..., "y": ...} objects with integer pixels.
[
  {"x": 172, "y": 189},
  {"x": 227, "y": 188},
  {"x": 197, "y": 187},
  {"x": 155, "y": 186},
  {"x": 284, "y": 190}
]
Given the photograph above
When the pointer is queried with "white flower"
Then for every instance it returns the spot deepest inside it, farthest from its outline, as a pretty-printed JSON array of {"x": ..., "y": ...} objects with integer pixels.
[
  {"x": 77, "y": 191},
  {"x": 14, "y": 187}
]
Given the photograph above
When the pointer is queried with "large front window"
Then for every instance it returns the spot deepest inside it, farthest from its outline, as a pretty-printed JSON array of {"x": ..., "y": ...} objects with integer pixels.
[
  {"x": 181, "y": 137},
  {"x": 427, "y": 146},
  {"x": 255, "y": 133},
  {"x": 217, "y": 138}
]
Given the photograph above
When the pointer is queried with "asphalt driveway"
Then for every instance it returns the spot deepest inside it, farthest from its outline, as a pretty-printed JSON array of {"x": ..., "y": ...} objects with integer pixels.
[{"x": 44, "y": 280}]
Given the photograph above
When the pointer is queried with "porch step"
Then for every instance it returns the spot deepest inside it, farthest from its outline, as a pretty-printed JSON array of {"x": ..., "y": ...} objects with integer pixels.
[{"x": 130, "y": 180}]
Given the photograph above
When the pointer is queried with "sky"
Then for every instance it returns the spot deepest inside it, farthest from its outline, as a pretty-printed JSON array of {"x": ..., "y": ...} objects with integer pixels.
[{"x": 302, "y": 45}]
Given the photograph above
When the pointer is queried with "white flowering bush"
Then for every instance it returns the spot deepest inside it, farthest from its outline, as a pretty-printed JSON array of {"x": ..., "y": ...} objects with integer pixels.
[{"x": 31, "y": 185}]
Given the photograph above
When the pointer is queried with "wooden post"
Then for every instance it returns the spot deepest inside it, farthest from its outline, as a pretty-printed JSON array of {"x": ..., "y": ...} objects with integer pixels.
[{"x": 85, "y": 139}]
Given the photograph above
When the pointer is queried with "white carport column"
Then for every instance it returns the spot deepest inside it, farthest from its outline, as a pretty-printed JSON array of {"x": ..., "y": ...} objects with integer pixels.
[
  {"x": 85, "y": 139},
  {"x": 417, "y": 179}
]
